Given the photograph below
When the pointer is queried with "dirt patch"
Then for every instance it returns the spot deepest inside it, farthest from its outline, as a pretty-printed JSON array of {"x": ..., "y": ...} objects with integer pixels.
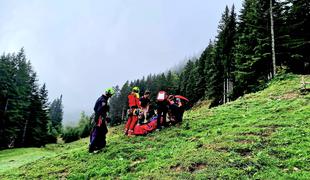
[
  {"x": 177, "y": 168},
  {"x": 287, "y": 96},
  {"x": 272, "y": 126},
  {"x": 134, "y": 164},
  {"x": 192, "y": 168},
  {"x": 64, "y": 175},
  {"x": 244, "y": 152},
  {"x": 138, "y": 161},
  {"x": 250, "y": 133},
  {"x": 265, "y": 132},
  {"x": 192, "y": 139},
  {"x": 245, "y": 141},
  {"x": 222, "y": 149},
  {"x": 216, "y": 147},
  {"x": 196, "y": 167}
]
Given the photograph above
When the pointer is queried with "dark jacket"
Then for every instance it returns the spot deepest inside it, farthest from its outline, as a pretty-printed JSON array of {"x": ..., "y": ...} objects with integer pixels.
[{"x": 101, "y": 107}]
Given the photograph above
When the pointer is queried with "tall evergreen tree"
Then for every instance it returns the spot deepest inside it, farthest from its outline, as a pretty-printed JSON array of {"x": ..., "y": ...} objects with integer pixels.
[
  {"x": 23, "y": 104},
  {"x": 56, "y": 114},
  {"x": 223, "y": 55},
  {"x": 299, "y": 32},
  {"x": 211, "y": 73},
  {"x": 201, "y": 83},
  {"x": 253, "y": 50}
]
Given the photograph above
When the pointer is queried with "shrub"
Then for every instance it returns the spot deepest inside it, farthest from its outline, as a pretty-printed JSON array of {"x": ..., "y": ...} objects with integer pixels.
[{"x": 71, "y": 134}]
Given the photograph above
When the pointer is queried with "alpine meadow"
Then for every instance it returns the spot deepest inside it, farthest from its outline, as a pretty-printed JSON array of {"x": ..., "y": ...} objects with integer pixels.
[{"x": 238, "y": 109}]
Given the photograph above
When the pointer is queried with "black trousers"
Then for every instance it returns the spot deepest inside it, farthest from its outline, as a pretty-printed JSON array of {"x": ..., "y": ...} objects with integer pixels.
[
  {"x": 98, "y": 136},
  {"x": 161, "y": 111}
]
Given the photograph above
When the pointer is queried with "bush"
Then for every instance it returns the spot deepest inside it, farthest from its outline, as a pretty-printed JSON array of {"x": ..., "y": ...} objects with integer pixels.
[
  {"x": 84, "y": 125},
  {"x": 71, "y": 134},
  {"x": 81, "y": 131}
]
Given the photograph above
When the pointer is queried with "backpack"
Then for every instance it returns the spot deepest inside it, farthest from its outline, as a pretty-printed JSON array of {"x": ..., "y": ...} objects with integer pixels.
[{"x": 161, "y": 96}]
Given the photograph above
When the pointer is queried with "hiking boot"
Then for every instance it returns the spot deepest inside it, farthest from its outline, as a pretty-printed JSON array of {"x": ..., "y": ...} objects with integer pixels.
[{"x": 91, "y": 149}]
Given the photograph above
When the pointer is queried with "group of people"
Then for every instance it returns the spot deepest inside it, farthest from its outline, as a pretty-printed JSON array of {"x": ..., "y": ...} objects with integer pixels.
[{"x": 139, "y": 112}]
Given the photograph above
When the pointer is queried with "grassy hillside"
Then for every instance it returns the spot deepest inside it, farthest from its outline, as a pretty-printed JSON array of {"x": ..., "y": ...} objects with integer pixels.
[{"x": 263, "y": 135}]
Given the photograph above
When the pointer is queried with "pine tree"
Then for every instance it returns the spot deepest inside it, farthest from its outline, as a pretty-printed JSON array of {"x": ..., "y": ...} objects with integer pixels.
[
  {"x": 223, "y": 56},
  {"x": 115, "y": 107},
  {"x": 44, "y": 116},
  {"x": 188, "y": 83},
  {"x": 253, "y": 48},
  {"x": 209, "y": 69},
  {"x": 201, "y": 83},
  {"x": 8, "y": 90},
  {"x": 36, "y": 132},
  {"x": 56, "y": 114},
  {"x": 172, "y": 81},
  {"x": 124, "y": 92},
  {"x": 299, "y": 32},
  {"x": 213, "y": 90}
]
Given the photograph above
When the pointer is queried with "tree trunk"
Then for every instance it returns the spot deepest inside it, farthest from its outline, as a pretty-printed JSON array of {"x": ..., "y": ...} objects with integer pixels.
[
  {"x": 24, "y": 132},
  {"x": 227, "y": 89},
  {"x": 231, "y": 87},
  {"x": 272, "y": 41},
  {"x": 123, "y": 114},
  {"x": 224, "y": 91},
  {"x": 2, "y": 115}
]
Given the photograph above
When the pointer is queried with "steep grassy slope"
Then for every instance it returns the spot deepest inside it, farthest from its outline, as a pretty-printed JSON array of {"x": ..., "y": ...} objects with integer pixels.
[{"x": 263, "y": 135}]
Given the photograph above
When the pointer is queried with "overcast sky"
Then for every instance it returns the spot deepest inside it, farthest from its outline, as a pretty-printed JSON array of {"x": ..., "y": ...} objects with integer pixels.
[{"x": 79, "y": 48}]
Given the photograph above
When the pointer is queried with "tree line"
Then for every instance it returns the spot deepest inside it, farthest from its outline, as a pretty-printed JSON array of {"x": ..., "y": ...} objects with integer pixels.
[
  {"x": 26, "y": 116},
  {"x": 239, "y": 60}
]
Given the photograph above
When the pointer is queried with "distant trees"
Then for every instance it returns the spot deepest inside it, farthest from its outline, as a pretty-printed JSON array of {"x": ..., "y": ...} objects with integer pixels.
[
  {"x": 23, "y": 104},
  {"x": 56, "y": 115},
  {"x": 240, "y": 59},
  {"x": 83, "y": 129}
]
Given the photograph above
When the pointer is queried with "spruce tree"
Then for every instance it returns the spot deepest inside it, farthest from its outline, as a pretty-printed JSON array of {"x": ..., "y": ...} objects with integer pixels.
[
  {"x": 56, "y": 114},
  {"x": 299, "y": 31},
  {"x": 252, "y": 54}
]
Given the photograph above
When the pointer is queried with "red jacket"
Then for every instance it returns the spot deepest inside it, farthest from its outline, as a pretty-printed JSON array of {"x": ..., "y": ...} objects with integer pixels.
[{"x": 133, "y": 100}]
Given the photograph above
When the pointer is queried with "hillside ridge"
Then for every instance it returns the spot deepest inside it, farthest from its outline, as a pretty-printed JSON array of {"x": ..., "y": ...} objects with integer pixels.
[{"x": 261, "y": 135}]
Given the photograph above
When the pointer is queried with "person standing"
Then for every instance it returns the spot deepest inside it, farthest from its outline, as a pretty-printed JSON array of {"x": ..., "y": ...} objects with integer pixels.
[
  {"x": 145, "y": 104},
  {"x": 133, "y": 112},
  {"x": 162, "y": 109},
  {"x": 99, "y": 131}
]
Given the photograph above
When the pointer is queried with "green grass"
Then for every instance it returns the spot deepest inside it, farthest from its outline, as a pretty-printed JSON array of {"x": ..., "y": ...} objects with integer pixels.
[{"x": 264, "y": 135}]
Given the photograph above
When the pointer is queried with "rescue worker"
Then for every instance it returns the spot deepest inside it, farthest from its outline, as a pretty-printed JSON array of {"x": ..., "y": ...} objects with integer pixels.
[
  {"x": 99, "y": 131},
  {"x": 145, "y": 105},
  {"x": 181, "y": 110},
  {"x": 133, "y": 112},
  {"x": 162, "y": 109},
  {"x": 176, "y": 109}
]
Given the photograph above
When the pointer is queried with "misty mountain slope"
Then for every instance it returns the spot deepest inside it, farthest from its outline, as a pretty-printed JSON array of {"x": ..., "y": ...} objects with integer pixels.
[{"x": 262, "y": 135}]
